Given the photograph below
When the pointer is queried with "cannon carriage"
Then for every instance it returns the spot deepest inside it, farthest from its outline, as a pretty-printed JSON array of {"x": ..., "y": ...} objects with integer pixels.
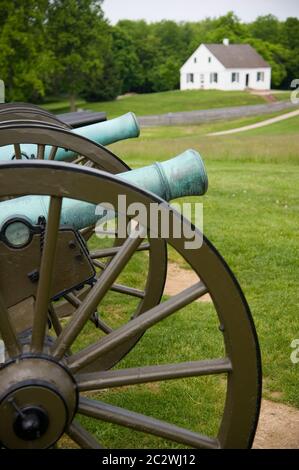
[{"x": 53, "y": 281}]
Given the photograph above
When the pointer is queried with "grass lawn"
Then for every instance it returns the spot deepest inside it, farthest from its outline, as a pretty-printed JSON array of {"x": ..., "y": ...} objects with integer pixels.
[
  {"x": 61, "y": 106},
  {"x": 165, "y": 102},
  {"x": 282, "y": 95},
  {"x": 251, "y": 214},
  {"x": 206, "y": 128}
]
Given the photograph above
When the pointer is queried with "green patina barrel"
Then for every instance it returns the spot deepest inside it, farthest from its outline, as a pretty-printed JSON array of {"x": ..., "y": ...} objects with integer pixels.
[
  {"x": 104, "y": 133},
  {"x": 184, "y": 175}
]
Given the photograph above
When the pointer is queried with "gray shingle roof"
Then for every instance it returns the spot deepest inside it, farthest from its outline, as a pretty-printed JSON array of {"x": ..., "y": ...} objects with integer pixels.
[{"x": 237, "y": 55}]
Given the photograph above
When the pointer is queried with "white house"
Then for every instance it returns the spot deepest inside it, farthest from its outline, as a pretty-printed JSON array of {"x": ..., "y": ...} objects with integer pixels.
[{"x": 225, "y": 67}]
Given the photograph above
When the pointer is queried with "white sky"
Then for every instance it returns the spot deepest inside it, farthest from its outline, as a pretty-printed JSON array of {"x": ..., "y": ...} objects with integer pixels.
[{"x": 195, "y": 10}]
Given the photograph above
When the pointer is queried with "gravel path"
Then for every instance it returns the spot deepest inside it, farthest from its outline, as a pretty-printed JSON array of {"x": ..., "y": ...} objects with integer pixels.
[{"x": 267, "y": 122}]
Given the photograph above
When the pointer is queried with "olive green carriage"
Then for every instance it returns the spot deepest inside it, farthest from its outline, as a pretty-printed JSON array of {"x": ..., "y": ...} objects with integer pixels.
[{"x": 52, "y": 285}]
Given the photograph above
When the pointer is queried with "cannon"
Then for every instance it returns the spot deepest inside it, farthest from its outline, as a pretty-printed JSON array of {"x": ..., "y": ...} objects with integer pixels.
[
  {"x": 57, "y": 279},
  {"x": 105, "y": 133}
]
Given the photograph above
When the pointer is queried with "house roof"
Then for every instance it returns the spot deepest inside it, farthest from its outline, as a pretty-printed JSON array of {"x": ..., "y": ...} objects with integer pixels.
[{"x": 237, "y": 55}]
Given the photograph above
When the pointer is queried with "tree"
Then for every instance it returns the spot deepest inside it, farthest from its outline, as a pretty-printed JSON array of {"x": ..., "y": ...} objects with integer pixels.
[
  {"x": 78, "y": 34},
  {"x": 126, "y": 60},
  {"x": 67, "y": 47},
  {"x": 276, "y": 55},
  {"x": 290, "y": 39},
  {"x": 166, "y": 76},
  {"x": 25, "y": 59},
  {"x": 227, "y": 26},
  {"x": 267, "y": 28},
  {"x": 290, "y": 33},
  {"x": 195, "y": 34},
  {"x": 107, "y": 85},
  {"x": 146, "y": 46}
]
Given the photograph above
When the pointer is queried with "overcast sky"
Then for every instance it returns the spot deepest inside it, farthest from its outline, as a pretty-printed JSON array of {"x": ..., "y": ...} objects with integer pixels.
[{"x": 194, "y": 10}]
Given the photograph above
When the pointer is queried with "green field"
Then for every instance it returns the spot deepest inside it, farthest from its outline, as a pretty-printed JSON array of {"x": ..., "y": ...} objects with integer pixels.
[
  {"x": 165, "y": 102},
  {"x": 251, "y": 215}
]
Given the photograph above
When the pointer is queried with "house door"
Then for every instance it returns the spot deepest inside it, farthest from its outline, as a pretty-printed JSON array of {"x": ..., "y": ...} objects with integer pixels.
[{"x": 247, "y": 80}]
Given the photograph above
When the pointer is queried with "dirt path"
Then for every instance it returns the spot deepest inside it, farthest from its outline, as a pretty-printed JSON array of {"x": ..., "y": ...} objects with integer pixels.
[
  {"x": 278, "y": 427},
  {"x": 267, "y": 122},
  {"x": 279, "y": 424},
  {"x": 179, "y": 279}
]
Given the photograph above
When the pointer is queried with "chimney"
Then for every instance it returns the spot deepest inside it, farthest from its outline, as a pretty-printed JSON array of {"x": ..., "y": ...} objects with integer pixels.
[{"x": 226, "y": 42}]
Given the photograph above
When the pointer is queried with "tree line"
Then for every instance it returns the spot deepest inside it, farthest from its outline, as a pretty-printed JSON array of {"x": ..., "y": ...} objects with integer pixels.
[{"x": 68, "y": 48}]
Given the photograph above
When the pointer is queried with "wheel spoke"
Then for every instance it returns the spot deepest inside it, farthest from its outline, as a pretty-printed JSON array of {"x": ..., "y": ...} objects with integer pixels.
[
  {"x": 45, "y": 276},
  {"x": 78, "y": 160},
  {"x": 7, "y": 331},
  {"x": 90, "y": 303},
  {"x": 99, "y": 264},
  {"x": 87, "y": 232},
  {"x": 53, "y": 152},
  {"x": 146, "y": 424},
  {"x": 82, "y": 437},
  {"x": 73, "y": 300},
  {"x": 18, "y": 153},
  {"x": 140, "y": 375},
  {"x": 136, "y": 326},
  {"x": 105, "y": 252},
  {"x": 100, "y": 324},
  {"x": 40, "y": 152},
  {"x": 119, "y": 287},
  {"x": 128, "y": 290},
  {"x": 76, "y": 302},
  {"x": 89, "y": 164},
  {"x": 55, "y": 320}
]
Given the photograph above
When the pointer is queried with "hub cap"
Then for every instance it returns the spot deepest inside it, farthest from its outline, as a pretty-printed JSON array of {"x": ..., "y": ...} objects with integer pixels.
[{"x": 38, "y": 399}]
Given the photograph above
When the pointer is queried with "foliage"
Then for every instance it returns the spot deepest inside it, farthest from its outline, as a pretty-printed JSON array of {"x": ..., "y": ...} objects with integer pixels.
[
  {"x": 25, "y": 59},
  {"x": 276, "y": 55},
  {"x": 126, "y": 60},
  {"x": 78, "y": 35},
  {"x": 267, "y": 28},
  {"x": 227, "y": 26},
  {"x": 107, "y": 84},
  {"x": 161, "y": 48},
  {"x": 67, "y": 48},
  {"x": 290, "y": 39}
]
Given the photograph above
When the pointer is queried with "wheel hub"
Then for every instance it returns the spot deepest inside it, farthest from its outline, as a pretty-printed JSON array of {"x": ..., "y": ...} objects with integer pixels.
[
  {"x": 31, "y": 423},
  {"x": 38, "y": 400}
]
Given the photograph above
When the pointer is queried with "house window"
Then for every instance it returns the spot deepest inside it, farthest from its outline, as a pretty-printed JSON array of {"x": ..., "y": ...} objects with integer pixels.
[
  {"x": 190, "y": 77},
  {"x": 260, "y": 76},
  {"x": 209, "y": 59},
  {"x": 195, "y": 60},
  {"x": 235, "y": 77},
  {"x": 213, "y": 77}
]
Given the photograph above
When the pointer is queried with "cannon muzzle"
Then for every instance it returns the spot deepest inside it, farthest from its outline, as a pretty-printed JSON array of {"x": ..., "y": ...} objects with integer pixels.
[
  {"x": 104, "y": 133},
  {"x": 184, "y": 175}
]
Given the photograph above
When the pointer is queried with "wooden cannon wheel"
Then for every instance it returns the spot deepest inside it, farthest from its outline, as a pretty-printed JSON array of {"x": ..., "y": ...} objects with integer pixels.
[
  {"x": 47, "y": 135},
  {"x": 28, "y": 112},
  {"x": 46, "y": 379}
]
